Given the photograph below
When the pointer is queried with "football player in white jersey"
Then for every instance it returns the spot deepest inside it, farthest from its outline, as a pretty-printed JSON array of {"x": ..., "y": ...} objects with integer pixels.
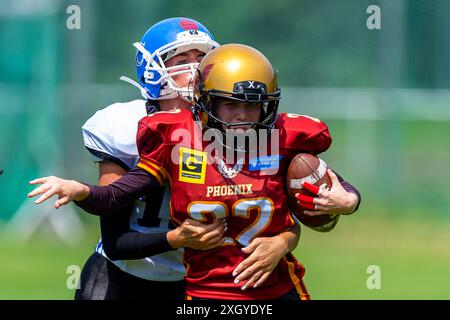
[{"x": 139, "y": 255}]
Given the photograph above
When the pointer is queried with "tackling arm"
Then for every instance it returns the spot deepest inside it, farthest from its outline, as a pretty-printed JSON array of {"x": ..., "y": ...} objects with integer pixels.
[{"x": 106, "y": 200}]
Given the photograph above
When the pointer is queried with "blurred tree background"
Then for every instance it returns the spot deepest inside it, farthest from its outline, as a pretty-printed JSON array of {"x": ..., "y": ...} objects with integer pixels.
[{"x": 384, "y": 94}]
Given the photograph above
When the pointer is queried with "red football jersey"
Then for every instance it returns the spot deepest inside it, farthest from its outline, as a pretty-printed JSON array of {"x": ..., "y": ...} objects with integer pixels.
[{"x": 205, "y": 188}]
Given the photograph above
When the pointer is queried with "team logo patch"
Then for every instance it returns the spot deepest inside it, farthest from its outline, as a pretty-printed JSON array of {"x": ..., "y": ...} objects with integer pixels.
[
  {"x": 228, "y": 172},
  {"x": 192, "y": 166}
]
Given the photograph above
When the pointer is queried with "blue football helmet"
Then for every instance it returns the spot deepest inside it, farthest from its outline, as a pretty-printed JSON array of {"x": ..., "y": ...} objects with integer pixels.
[{"x": 161, "y": 42}]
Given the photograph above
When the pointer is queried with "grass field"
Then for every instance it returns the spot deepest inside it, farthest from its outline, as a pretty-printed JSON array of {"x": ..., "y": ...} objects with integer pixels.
[
  {"x": 38, "y": 269},
  {"x": 413, "y": 255}
]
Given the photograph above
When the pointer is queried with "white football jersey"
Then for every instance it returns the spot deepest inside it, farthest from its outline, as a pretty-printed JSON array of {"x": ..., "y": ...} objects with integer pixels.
[{"x": 110, "y": 134}]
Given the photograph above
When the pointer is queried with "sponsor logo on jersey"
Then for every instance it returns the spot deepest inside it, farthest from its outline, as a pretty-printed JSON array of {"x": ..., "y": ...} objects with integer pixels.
[
  {"x": 192, "y": 166},
  {"x": 265, "y": 163},
  {"x": 229, "y": 190}
]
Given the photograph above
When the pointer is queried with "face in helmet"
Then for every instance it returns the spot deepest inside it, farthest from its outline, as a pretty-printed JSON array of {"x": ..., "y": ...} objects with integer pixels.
[
  {"x": 236, "y": 88},
  {"x": 157, "y": 75},
  {"x": 239, "y": 114},
  {"x": 177, "y": 67}
]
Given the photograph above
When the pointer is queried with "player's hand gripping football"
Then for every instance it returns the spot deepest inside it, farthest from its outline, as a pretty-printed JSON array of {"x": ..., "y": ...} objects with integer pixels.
[
  {"x": 67, "y": 190},
  {"x": 332, "y": 201}
]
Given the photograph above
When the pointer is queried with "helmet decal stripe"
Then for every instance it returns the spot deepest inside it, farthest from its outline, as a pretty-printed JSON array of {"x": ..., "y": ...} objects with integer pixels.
[
  {"x": 188, "y": 25},
  {"x": 206, "y": 71}
]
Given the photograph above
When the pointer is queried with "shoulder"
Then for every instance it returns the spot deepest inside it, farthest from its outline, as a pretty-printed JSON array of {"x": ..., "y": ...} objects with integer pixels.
[
  {"x": 166, "y": 118},
  {"x": 112, "y": 131},
  {"x": 157, "y": 134},
  {"x": 125, "y": 112},
  {"x": 165, "y": 122},
  {"x": 300, "y": 124},
  {"x": 303, "y": 132}
]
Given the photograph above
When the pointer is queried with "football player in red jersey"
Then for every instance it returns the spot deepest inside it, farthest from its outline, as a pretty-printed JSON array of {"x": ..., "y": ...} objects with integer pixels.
[
  {"x": 138, "y": 244},
  {"x": 237, "y": 92}
]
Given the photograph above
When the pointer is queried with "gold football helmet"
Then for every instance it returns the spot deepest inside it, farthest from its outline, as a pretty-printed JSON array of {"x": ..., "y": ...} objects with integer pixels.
[{"x": 240, "y": 73}]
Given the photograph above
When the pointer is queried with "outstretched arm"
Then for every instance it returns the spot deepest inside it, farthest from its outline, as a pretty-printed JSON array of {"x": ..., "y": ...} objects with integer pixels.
[
  {"x": 123, "y": 192},
  {"x": 96, "y": 200},
  {"x": 122, "y": 243}
]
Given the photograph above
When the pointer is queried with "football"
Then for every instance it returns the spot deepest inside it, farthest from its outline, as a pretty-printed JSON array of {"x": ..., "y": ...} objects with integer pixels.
[{"x": 305, "y": 167}]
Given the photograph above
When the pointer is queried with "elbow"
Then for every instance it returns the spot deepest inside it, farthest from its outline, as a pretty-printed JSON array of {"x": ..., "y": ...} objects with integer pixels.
[{"x": 357, "y": 204}]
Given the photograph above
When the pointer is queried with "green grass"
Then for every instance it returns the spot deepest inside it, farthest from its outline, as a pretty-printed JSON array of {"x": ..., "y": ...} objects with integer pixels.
[
  {"x": 38, "y": 269},
  {"x": 413, "y": 254}
]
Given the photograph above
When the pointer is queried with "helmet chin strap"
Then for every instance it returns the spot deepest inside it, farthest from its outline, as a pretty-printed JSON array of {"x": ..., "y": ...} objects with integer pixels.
[{"x": 144, "y": 93}]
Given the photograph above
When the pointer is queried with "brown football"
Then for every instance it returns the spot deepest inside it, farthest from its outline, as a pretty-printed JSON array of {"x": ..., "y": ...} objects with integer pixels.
[{"x": 310, "y": 168}]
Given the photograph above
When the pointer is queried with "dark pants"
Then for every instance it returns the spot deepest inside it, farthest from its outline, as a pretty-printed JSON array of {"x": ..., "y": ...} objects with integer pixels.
[{"x": 102, "y": 280}]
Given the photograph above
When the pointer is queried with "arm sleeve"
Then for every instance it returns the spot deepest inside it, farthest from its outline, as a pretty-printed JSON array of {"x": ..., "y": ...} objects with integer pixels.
[
  {"x": 122, "y": 243},
  {"x": 113, "y": 198},
  {"x": 349, "y": 188}
]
